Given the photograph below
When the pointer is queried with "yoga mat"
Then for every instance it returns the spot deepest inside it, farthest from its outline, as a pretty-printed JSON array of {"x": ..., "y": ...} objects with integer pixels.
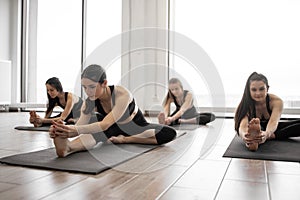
[
  {"x": 276, "y": 150},
  {"x": 92, "y": 162},
  {"x": 32, "y": 128}
]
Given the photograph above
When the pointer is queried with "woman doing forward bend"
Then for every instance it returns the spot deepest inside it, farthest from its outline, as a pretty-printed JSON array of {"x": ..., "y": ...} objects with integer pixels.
[
  {"x": 257, "y": 117},
  {"x": 69, "y": 102},
  {"x": 119, "y": 119},
  {"x": 185, "y": 110}
]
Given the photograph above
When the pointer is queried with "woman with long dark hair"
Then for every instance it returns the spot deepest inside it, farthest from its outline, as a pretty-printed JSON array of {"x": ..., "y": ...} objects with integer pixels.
[
  {"x": 119, "y": 118},
  {"x": 69, "y": 102},
  {"x": 257, "y": 117}
]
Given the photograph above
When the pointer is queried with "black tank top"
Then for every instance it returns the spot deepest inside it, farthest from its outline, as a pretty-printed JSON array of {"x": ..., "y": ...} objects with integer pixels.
[
  {"x": 129, "y": 109},
  {"x": 263, "y": 119},
  {"x": 66, "y": 99},
  {"x": 191, "y": 112}
]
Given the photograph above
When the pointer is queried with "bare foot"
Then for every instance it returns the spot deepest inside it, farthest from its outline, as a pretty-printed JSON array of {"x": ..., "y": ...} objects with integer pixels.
[
  {"x": 61, "y": 146},
  {"x": 254, "y": 130},
  {"x": 117, "y": 139},
  {"x": 161, "y": 118}
]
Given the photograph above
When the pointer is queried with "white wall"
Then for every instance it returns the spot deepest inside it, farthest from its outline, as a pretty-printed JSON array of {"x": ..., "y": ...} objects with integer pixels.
[
  {"x": 10, "y": 44},
  {"x": 5, "y": 82},
  {"x": 5, "y": 29}
]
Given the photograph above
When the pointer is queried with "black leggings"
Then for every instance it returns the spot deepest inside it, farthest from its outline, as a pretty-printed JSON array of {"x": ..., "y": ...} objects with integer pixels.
[
  {"x": 285, "y": 129},
  {"x": 201, "y": 118},
  {"x": 163, "y": 134}
]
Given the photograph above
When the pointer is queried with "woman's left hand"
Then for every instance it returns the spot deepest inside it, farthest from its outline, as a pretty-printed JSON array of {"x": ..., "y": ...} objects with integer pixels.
[{"x": 63, "y": 131}]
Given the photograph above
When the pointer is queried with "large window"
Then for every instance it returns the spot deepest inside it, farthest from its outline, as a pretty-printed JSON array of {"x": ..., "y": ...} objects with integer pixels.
[
  {"x": 242, "y": 36},
  {"x": 56, "y": 40},
  {"x": 103, "y": 23},
  {"x": 54, "y": 46}
]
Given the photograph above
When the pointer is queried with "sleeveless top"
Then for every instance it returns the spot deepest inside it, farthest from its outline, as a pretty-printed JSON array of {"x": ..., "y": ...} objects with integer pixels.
[
  {"x": 129, "y": 109},
  {"x": 76, "y": 109},
  {"x": 191, "y": 112},
  {"x": 263, "y": 120}
]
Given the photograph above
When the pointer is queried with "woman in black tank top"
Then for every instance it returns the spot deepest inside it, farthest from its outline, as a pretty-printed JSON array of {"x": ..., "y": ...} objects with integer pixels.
[
  {"x": 119, "y": 120},
  {"x": 185, "y": 110},
  {"x": 257, "y": 117},
  {"x": 69, "y": 102}
]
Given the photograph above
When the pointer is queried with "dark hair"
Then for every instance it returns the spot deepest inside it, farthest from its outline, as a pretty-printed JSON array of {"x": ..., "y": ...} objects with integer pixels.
[
  {"x": 247, "y": 104},
  {"x": 95, "y": 73},
  {"x": 54, "y": 82}
]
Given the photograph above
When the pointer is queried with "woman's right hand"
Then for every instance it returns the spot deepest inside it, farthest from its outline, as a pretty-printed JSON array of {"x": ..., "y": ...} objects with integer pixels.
[
  {"x": 169, "y": 120},
  {"x": 249, "y": 138},
  {"x": 58, "y": 129},
  {"x": 32, "y": 116},
  {"x": 38, "y": 121}
]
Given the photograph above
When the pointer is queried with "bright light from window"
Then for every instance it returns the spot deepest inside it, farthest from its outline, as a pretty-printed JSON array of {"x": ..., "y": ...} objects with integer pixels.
[{"x": 242, "y": 36}]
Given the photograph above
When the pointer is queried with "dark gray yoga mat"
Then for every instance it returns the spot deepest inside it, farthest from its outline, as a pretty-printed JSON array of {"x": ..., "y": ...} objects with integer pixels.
[
  {"x": 93, "y": 162},
  {"x": 276, "y": 150},
  {"x": 32, "y": 128}
]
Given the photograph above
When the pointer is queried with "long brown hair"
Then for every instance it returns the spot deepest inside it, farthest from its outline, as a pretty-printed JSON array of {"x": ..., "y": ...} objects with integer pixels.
[{"x": 247, "y": 104}]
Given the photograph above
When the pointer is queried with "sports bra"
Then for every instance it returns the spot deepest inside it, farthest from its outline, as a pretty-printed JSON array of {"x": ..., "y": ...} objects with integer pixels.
[{"x": 129, "y": 109}]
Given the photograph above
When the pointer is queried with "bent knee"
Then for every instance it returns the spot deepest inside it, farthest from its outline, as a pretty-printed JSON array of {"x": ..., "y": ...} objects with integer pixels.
[{"x": 165, "y": 135}]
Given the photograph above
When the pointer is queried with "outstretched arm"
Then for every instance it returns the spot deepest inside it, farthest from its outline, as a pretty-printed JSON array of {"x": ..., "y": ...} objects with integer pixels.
[
  {"x": 67, "y": 110},
  {"x": 122, "y": 100},
  {"x": 276, "y": 105},
  {"x": 188, "y": 101}
]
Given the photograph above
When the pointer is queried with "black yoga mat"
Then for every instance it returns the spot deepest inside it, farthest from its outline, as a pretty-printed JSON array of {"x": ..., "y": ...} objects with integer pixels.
[
  {"x": 93, "y": 162},
  {"x": 32, "y": 128},
  {"x": 276, "y": 150}
]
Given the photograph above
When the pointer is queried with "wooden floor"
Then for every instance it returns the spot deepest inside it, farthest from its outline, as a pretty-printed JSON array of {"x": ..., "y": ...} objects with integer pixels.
[{"x": 190, "y": 167}]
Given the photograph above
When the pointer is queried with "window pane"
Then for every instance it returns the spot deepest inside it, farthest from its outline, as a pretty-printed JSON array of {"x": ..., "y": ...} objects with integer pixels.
[
  {"x": 241, "y": 37},
  {"x": 104, "y": 21},
  {"x": 58, "y": 45}
]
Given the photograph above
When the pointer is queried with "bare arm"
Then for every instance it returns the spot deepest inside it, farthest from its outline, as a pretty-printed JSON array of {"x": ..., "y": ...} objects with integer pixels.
[
  {"x": 67, "y": 110},
  {"x": 122, "y": 100},
  {"x": 184, "y": 107},
  {"x": 276, "y": 105},
  {"x": 243, "y": 129},
  {"x": 167, "y": 107}
]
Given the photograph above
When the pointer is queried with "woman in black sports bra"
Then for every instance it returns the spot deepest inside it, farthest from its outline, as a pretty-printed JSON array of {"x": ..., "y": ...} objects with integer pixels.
[
  {"x": 69, "y": 102},
  {"x": 257, "y": 117},
  {"x": 185, "y": 112},
  {"x": 119, "y": 118}
]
